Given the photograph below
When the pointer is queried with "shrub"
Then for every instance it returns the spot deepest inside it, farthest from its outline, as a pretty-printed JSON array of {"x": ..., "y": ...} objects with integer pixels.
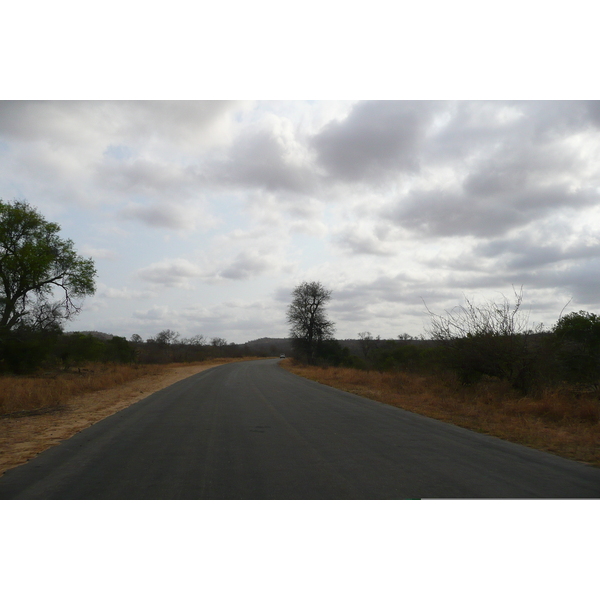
[
  {"x": 24, "y": 350},
  {"x": 489, "y": 339},
  {"x": 331, "y": 352},
  {"x": 577, "y": 339}
]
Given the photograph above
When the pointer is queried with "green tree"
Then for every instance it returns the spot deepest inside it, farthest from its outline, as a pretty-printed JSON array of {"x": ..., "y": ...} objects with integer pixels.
[
  {"x": 577, "y": 336},
  {"x": 119, "y": 350},
  {"x": 42, "y": 278},
  {"x": 306, "y": 316}
]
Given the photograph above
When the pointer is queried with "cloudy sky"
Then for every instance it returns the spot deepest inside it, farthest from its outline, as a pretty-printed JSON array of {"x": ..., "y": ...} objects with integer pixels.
[{"x": 203, "y": 216}]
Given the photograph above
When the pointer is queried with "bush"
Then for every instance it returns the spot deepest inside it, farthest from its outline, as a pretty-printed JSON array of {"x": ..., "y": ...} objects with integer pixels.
[
  {"x": 77, "y": 348},
  {"x": 577, "y": 340},
  {"x": 490, "y": 339},
  {"x": 119, "y": 350},
  {"x": 399, "y": 356},
  {"x": 331, "y": 352},
  {"x": 25, "y": 350}
]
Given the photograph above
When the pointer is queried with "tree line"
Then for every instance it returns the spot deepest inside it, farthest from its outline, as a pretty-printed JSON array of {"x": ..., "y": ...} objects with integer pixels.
[
  {"x": 475, "y": 341},
  {"x": 169, "y": 346},
  {"x": 43, "y": 282}
]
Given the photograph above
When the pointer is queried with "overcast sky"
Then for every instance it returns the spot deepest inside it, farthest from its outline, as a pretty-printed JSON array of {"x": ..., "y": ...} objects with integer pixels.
[{"x": 203, "y": 216}]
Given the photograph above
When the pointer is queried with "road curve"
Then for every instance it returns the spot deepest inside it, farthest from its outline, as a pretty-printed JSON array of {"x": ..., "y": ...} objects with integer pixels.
[{"x": 251, "y": 430}]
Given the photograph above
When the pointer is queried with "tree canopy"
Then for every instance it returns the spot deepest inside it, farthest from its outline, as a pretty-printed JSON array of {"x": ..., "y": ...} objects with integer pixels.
[
  {"x": 582, "y": 327},
  {"x": 578, "y": 340},
  {"x": 41, "y": 275}
]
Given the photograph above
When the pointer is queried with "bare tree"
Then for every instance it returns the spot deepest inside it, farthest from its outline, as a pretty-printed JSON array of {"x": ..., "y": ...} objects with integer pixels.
[
  {"x": 195, "y": 340},
  {"x": 368, "y": 343},
  {"x": 487, "y": 319},
  {"x": 492, "y": 338},
  {"x": 167, "y": 337},
  {"x": 365, "y": 338},
  {"x": 306, "y": 316}
]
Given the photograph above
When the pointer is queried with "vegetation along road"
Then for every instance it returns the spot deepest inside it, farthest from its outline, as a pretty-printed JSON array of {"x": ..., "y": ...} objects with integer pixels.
[{"x": 251, "y": 430}]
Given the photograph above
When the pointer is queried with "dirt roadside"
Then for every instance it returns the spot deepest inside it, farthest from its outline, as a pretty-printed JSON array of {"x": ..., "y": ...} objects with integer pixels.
[{"x": 23, "y": 438}]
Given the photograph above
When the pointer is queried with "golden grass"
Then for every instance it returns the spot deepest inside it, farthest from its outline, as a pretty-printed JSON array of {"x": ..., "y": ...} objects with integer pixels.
[
  {"x": 562, "y": 421},
  {"x": 20, "y": 395}
]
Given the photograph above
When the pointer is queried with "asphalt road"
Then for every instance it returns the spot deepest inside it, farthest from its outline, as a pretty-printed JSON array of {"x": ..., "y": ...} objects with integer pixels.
[{"x": 251, "y": 430}]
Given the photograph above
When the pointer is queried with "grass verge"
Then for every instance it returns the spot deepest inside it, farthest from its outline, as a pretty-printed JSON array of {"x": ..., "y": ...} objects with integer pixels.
[
  {"x": 46, "y": 392},
  {"x": 562, "y": 421}
]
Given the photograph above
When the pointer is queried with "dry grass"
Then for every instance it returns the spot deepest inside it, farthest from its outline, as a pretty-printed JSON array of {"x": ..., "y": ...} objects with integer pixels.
[
  {"x": 21, "y": 396},
  {"x": 563, "y": 421}
]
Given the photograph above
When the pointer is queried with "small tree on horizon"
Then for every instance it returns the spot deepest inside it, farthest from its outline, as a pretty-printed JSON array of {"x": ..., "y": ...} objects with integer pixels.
[
  {"x": 166, "y": 337},
  {"x": 306, "y": 316}
]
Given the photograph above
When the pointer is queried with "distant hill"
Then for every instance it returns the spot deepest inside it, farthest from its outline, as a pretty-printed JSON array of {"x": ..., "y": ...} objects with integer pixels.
[
  {"x": 274, "y": 346},
  {"x": 270, "y": 346}
]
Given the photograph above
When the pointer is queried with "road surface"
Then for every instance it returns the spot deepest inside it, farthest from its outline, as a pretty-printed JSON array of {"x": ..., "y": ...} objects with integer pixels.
[{"x": 251, "y": 430}]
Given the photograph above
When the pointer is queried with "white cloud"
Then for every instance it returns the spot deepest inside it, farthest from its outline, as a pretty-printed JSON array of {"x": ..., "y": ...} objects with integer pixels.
[
  {"x": 184, "y": 216},
  {"x": 105, "y": 291},
  {"x": 384, "y": 202},
  {"x": 247, "y": 265},
  {"x": 463, "y": 213},
  {"x": 376, "y": 140},
  {"x": 144, "y": 176},
  {"x": 98, "y": 253},
  {"x": 359, "y": 240},
  {"x": 268, "y": 156},
  {"x": 176, "y": 272},
  {"x": 156, "y": 313},
  {"x": 191, "y": 124}
]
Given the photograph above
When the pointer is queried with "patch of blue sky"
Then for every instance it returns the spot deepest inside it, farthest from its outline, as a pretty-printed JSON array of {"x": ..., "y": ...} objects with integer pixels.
[{"x": 119, "y": 152}]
